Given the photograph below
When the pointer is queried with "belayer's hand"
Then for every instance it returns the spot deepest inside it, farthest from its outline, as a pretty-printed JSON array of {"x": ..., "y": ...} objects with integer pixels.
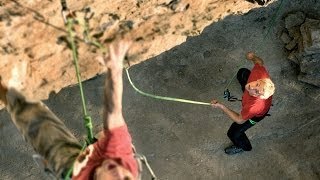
[{"x": 216, "y": 104}]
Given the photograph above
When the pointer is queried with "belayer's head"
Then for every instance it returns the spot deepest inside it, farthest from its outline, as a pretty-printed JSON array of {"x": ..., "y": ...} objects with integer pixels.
[{"x": 262, "y": 88}]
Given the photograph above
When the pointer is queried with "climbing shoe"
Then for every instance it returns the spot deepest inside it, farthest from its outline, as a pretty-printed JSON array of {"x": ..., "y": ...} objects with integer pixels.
[{"x": 233, "y": 150}]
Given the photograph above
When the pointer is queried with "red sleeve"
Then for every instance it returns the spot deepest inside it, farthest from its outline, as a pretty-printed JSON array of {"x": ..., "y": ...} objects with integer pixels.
[
  {"x": 116, "y": 144},
  {"x": 119, "y": 146},
  {"x": 258, "y": 72},
  {"x": 119, "y": 142}
]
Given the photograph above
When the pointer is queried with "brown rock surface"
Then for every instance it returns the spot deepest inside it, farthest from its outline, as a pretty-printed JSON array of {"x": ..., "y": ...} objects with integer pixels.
[
  {"x": 304, "y": 48},
  {"x": 34, "y": 49}
]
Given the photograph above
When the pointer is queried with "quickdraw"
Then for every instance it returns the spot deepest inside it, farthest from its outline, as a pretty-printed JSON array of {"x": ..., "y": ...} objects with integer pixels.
[
  {"x": 142, "y": 159},
  {"x": 227, "y": 95}
]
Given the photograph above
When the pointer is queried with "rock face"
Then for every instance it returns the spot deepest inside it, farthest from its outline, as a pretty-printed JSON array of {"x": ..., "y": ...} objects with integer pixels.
[
  {"x": 302, "y": 39},
  {"x": 35, "y": 53}
]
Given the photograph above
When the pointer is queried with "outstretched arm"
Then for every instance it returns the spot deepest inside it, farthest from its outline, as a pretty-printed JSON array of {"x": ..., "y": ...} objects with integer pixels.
[
  {"x": 113, "y": 117},
  {"x": 255, "y": 59},
  {"x": 236, "y": 117}
]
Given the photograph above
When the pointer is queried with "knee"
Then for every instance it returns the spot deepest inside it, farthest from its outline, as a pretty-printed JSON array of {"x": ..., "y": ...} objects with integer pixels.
[
  {"x": 243, "y": 72},
  {"x": 232, "y": 134}
]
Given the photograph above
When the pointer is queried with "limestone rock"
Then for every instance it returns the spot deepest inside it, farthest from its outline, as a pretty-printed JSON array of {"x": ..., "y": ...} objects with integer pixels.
[
  {"x": 310, "y": 79},
  {"x": 304, "y": 48},
  {"x": 310, "y": 64},
  {"x": 294, "y": 32},
  {"x": 285, "y": 38},
  {"x": 310, "y": 31},
  {"x": 294, "y": 19},
  {"x": 35, "y": 52},
  {"x": 300, "y": 45},
  {"x": 292, "y": 44},
  {"x": 292, "y": 57}
]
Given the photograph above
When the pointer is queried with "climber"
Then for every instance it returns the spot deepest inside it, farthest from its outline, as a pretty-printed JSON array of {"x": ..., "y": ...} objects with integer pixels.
[
  {"x": 257, "y": 90},
  {"x": 111, "y": 157}
]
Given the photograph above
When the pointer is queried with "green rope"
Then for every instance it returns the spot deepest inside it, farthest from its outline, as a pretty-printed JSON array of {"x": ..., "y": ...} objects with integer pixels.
[
  {"x": 88, "y": 125},
  {"x": 69, "y": 172},
  {"x": 68, "y": 175},
  {"x": 273, "y": 20},
  {"x": 87, "y": 118},
  {"x": 164, "y": 97},
  {"x": 234, "y": 75}
]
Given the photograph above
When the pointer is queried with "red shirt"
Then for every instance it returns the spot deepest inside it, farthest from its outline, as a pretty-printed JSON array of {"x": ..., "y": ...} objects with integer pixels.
[
  {"x": 254, "y": 106},
  {"x": 115, "y": 145}
]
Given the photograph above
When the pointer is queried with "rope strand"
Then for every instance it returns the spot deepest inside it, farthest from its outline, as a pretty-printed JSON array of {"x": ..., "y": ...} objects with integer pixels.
[
  {"x": 164, "y": 97},
  {"x": 87, "y": 118}
]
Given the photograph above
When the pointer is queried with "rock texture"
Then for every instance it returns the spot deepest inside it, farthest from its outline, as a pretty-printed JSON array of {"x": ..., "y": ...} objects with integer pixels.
[
  {"x": 302, "y": 39},
  {"x": 35, "y": 53}
]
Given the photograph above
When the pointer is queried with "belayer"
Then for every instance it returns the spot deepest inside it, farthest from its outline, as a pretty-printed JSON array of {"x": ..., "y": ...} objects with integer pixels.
[{"x": 257, "y": 90}]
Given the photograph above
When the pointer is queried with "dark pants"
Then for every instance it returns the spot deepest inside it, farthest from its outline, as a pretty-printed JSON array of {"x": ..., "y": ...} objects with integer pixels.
[{"x": 236, "y": 132}]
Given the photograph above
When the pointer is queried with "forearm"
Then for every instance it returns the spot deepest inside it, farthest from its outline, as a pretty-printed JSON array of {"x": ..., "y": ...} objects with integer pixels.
[
  {"x": 113, "y": 117},
  {"x": 113, "y": 100},
  {"x": 236, "y": 117}
]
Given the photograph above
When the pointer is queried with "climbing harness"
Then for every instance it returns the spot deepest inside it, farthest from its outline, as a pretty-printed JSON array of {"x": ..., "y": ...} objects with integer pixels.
[
  {"x": 142, "y": 159},
  {"x": 227, "y": 95},
  {"x": 252, "y": 122}
]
